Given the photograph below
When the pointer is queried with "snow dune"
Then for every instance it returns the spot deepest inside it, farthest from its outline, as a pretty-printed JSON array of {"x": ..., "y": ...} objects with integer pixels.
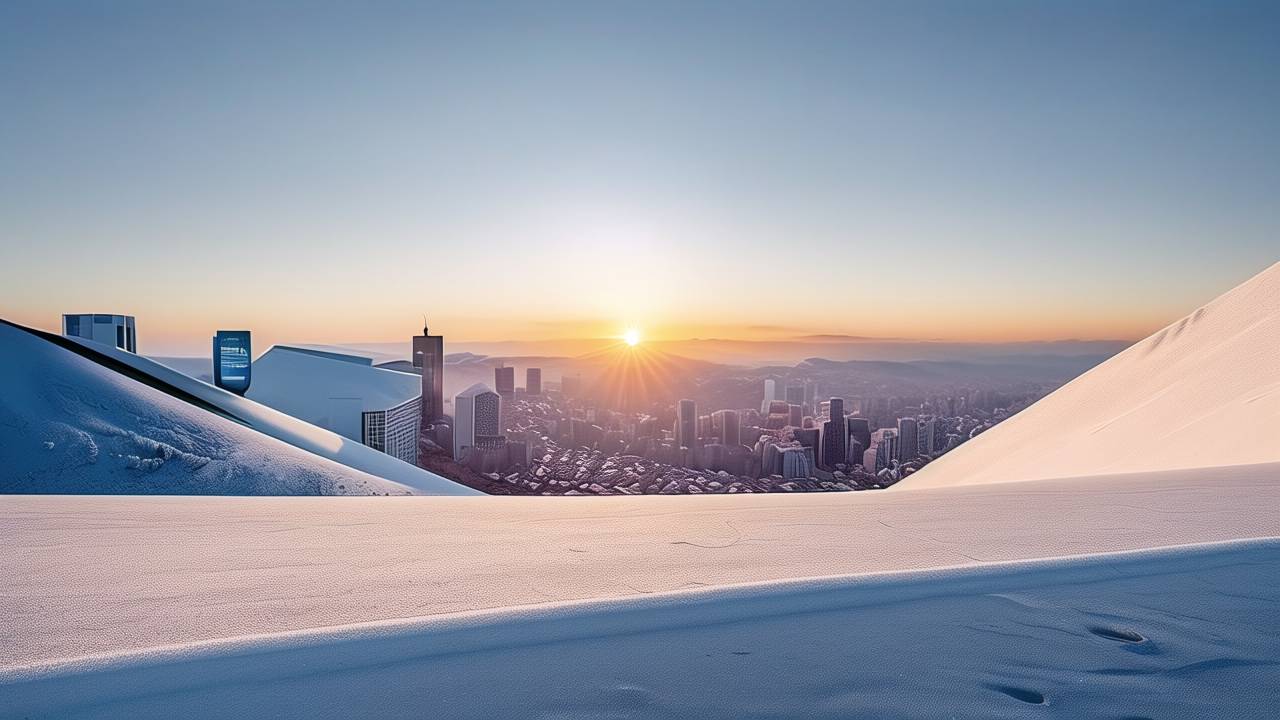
[
  {"x": 73, "y": 425},
  {"x": 1202, "y": 392}
]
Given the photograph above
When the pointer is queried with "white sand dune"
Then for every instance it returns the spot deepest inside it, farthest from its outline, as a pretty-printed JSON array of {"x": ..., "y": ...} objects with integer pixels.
[
  {"x": 73, "y": 425},
  {"x": 1202, "y": 392}
]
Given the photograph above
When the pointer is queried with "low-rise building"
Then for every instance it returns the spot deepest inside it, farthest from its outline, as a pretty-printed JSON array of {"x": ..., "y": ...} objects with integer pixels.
[
  {"x": 117, "y": 330},
  {"x": 343, "y": 393}
]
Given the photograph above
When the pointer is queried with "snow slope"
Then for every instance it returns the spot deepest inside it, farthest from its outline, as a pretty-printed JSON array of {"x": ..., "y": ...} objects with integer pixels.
[
  {"x": 874, "y": 605},
  {"x": 1204, "y": 391},
  {"x": 72, "y": 425},
  {"x": 1160, "y": 634},
  {"x": 188, "y": 570},
  {"x": 291, "y": 430}
]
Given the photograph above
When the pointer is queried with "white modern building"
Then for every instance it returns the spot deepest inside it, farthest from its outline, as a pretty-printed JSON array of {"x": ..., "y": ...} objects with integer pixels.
[
  {"x": 477, "y": 413},
  {"x": 342, "y": 393},
  {"x": 115, "y": 330}
]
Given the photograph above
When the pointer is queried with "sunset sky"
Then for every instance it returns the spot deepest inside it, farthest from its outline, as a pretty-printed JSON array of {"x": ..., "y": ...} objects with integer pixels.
[{"x": 330, "y": 172}]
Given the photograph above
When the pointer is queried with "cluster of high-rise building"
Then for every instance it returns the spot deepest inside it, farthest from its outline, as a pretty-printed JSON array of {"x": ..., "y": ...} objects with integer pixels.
[
  {"x": 477, "y": 435},
  {"x": 794, "y": 435}
]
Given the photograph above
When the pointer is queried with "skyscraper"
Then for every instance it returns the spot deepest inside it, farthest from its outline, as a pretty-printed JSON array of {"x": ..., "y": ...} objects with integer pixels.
[
  {"x": 504, "y": 381},
  {"x": 810, "y": 438},
  {"x": 686, "y": 430},
  {"x": 232, "y": 360},
  {"x": 533, "y": 381},
  {"x": 860, "y": 430},
  {"x": 908, "y": 447},
  {"x": 795, "y": 415},
  {"x": 476, "y": 412},
  {"x": 870, "y": 460},
  {"x": 797, "y": 462},
  {"x": 835, "y": 436},
  {"x": 855, "y": 452},
  {"x": 428, "y": 354},
  {"x": 885, "y": 443},
  {"x": 795, "y": 395},
  {"x": 770, "y": 394},
  {"x": 811, "y": 397},
  {"x": 925, "y": 431},
  {"x": 730, "y": 427}
]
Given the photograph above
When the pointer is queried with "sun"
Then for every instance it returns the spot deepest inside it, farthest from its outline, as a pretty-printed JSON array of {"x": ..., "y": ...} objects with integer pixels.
[{"x": 631, "y": 337}]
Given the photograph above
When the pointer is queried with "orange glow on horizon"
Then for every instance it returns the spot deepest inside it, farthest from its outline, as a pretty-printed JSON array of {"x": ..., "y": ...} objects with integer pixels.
[{"x": 177, "y": 330}]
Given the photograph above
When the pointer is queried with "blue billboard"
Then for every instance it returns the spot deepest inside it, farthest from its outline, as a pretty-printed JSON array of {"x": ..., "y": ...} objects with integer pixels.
[{"x": 232, "y": 360}]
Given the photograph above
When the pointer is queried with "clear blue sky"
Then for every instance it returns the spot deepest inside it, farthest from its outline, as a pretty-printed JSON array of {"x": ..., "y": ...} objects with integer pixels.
[{"x": 317, "y": 171}]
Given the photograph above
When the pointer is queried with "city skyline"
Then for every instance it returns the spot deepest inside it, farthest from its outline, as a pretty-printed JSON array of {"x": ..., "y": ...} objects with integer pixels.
[{"x": 921, "y": 172}]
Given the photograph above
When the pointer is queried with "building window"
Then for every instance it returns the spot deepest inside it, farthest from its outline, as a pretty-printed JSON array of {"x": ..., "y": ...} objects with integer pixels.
[
  {"x": 394, "y": 431},
  {"x": 72, "y": 326},
  {"x": 120, "y": 337},
  {"x": 375, "y": 430}
]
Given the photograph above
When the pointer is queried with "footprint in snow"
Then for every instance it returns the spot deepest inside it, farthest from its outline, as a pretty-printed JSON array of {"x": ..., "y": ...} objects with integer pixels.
[{"x": 1031, "y": 697}]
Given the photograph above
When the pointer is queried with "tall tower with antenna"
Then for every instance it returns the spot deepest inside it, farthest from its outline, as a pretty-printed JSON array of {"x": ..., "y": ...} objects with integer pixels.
[{"x": 428, "y": 354}]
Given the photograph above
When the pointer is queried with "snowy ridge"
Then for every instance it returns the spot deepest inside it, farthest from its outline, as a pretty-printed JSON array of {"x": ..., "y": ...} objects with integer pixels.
[
  {"x": 1204, "y": 391},
  {"x": 289, "y": 429},
  {"x": 72, "y": 425},
  {"x": 1000, "y": 640}
]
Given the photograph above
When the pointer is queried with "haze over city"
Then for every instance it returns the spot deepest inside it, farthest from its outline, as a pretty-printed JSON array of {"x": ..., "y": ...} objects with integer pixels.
[{"x": 967, "y": 172}]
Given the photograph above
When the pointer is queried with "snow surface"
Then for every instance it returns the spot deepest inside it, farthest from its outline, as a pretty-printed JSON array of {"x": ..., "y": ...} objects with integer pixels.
[
  {"x": 70, "y": 425},
  {"x": 1179, "y": 633},
  {"x": 186, "y": 570},
  {"x": 1202, "y": 392}
]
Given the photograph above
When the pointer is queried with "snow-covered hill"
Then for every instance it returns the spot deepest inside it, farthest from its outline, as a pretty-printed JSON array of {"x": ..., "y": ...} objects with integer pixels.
[
  {"x": 106, "y": 421},
  {"x": 1202, "y": 392}
]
